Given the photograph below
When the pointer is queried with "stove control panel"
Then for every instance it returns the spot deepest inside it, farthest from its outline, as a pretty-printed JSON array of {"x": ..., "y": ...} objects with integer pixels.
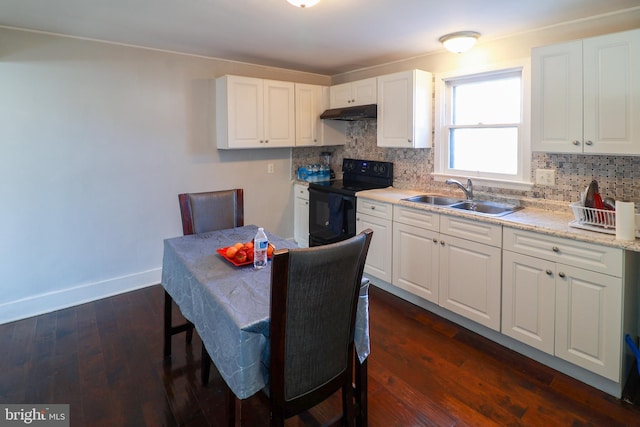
[{"x": 371, "y": 168}]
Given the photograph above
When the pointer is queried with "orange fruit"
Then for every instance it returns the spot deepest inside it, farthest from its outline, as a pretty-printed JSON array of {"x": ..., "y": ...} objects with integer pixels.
[
  {"x": 270, "y": 249},
  {"x": 238, "y": 245},
  {"x": 249, "y": 245},
  {"x": 231, "y": 251}
]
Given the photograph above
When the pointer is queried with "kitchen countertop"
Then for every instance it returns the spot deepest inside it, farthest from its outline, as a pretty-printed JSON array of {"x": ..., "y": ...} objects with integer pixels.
[{"x": 551, "y": 222}]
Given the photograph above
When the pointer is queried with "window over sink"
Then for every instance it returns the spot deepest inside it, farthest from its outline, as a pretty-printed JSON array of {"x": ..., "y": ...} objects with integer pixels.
[{"x": 482, "y": 125}]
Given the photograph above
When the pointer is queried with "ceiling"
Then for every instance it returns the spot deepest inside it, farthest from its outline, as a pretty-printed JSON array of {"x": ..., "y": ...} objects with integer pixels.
[{"x": 333, "y": 37}]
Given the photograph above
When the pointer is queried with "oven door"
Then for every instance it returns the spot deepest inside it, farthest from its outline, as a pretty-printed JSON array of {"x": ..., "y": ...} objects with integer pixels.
[{"x": 332, "y": 217}]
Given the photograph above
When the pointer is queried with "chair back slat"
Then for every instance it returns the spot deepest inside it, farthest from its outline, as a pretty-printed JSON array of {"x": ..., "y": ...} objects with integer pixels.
[{"x": 210, "y": 211}]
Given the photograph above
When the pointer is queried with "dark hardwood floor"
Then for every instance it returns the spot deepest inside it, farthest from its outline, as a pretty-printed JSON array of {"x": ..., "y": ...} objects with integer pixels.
[{"x": 105, "y": 359}]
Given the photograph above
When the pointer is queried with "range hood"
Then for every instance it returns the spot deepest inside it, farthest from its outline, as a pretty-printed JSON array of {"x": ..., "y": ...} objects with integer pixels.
[{"x": 359, "y": 112}]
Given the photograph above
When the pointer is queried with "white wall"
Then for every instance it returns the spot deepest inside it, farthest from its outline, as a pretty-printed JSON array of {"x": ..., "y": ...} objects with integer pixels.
[
  {"x": 515, "y": 46},
  {"x": 96, "y": 141}
]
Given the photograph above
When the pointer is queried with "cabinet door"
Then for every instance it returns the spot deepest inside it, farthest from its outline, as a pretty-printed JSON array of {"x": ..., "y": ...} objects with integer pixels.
[
  {"x": 364, "y": 92},
  {"x": 404, "y": 110},
  {"x": 340, "y": 96},
  {"x": 239, "y": 112},
  {"x": 470, "y": 280},
  {"x": 279, "y": 114},
  {"x": 301, "y": 221},
  {"x": 307, "y": 114},
  {"x": 588, "y": 313},
  {"x": 556, "y": 98},
  {"x": 528, "y": 300},
  {"x": 612, "y": 93},
  {"x": 415, "y": 261},
  {"x": 379, "y": 257}
]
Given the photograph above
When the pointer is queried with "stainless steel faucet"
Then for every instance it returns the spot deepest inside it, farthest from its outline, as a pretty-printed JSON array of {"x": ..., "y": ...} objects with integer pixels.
[{"x": 468, "y": 190}]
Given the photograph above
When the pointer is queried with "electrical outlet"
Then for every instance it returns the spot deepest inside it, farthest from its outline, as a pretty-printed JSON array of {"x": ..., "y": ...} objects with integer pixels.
[
  {"x": 270, "y": 168},
  {"x": 546, "y": 177}
]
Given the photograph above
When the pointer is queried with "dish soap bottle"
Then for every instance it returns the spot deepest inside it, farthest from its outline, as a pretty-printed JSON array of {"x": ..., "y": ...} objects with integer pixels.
[{"x": 260, "y": 246}]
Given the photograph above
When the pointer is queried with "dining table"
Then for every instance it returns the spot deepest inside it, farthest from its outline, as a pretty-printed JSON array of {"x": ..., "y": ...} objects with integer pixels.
[{"x": 229, "y": 306}]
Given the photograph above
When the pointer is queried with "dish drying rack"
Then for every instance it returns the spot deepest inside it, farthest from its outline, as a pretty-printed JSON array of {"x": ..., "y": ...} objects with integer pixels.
[{"x": 592, "y": 219}]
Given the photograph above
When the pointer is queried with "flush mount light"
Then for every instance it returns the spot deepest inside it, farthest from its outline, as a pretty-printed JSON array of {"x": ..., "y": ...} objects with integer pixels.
[
  {"x": 303, "y": 3},
  {"x": 459, "y": 42}
]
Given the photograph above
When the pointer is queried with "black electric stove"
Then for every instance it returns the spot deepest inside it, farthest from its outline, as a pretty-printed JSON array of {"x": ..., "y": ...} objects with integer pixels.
[{"x": 332, "y": 204}]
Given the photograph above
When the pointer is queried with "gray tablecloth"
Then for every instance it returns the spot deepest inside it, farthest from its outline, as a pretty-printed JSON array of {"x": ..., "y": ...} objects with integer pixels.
[{"x": 229, "y": 305}]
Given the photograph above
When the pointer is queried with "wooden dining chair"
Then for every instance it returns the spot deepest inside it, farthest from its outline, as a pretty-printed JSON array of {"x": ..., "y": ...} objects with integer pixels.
[
  {"x": 314, "y": 299},
  {"x": 202, "y": 212}
]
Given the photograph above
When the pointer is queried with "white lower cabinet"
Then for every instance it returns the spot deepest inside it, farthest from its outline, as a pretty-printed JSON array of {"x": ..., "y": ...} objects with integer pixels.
[
  {"x": 416, "y": 252},
  {"x": 450, "y": 261},
  {"x": 376, "y": 216},
  {"x": 470, "y": 270},
  {"x": 557, "y": 298},
  {"x": 301, "y": 215}
]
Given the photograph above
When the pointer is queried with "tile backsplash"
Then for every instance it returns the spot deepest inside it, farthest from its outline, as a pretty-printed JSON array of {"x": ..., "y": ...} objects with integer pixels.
[{"x": 617, "y": 176}]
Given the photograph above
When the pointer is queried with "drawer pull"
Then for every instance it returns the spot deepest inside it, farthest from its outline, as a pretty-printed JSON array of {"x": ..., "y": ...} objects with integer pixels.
[
  {"x": 549, "y": 272},
  {"x": 373, "y": 208},
  {"x": 561, "y": 274},
  {"x": 555, "y": 249}
]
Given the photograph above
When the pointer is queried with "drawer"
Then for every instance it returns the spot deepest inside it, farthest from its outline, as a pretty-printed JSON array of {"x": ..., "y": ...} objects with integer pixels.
[
  {"x": 476, "y": 231},
  {"x": 301, "y": 191},
  {"x": 375, "y": 208},
  {"x": 589, "y": 256},
  {"x": 416, "y": 217}
]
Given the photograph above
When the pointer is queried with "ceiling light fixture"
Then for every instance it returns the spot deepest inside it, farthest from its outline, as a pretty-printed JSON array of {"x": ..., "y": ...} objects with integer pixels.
[
  {"x": 303, "y": 3},
  {"x": 460, "y": 41}
]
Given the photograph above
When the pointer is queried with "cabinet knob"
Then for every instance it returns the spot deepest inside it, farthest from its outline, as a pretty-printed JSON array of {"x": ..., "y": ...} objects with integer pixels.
[
  {"x": 266, "y": 141},
  {"x": 442, "y": 242},
  {"x": 549, "y": 272},
  {"x": 435, "y": 240},
  {"x": 589, "y": 143},
  {"x": 306, "y": 203},
  {"x": 409, "y": 140},
  {"x": 561, "y": 274},
  {"x": 576, "y": 142},
  {"x": 373, "y": 208},
  {"x": 555, "y": 249}
]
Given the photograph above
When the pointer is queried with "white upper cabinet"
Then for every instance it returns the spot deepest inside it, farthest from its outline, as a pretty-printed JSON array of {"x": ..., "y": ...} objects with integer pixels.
[
  {"x": 361, "y": 92},
  {"x": 308, "y": 110},
  {"x": 254, "y": 113},
  {"x": 586, "y": 95},
  {"x": 311, "y": 101},
  {"x": 404, "y": 109}
]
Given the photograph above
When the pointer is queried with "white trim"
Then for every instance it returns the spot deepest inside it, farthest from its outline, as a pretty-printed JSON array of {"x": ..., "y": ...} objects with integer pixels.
[
  {"x": 440, "y": 122},
  {"x": 52, "y": 301},
  {"x": 488, "y": 182}
]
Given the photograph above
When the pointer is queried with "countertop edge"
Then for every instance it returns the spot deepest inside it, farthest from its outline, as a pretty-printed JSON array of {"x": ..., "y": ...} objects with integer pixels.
[{"x": 529, "y": 218}]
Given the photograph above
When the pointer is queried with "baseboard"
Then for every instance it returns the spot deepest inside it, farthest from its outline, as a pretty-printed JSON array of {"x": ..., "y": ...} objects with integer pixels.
[{"x": 64, "y": 298}]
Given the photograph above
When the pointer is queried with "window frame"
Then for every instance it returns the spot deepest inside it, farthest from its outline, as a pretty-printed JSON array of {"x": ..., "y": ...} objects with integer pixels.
[{"x": 443, "y": 120}]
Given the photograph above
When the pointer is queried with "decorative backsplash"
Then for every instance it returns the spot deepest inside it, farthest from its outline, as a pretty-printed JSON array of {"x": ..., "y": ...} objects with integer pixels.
[{"x": 617, "y": 176}]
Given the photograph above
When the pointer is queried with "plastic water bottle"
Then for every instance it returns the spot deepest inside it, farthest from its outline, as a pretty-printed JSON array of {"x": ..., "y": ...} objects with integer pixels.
[{"x": 260, "y": 246}]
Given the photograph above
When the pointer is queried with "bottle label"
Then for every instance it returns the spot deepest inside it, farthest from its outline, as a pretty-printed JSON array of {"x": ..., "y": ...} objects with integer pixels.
[{"x": 263, "y": 244}]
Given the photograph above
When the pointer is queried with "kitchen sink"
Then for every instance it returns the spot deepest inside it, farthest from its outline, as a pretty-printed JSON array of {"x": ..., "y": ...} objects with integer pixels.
[
  {"x": 433, "y": 199},
  {"x": 485, "y": 207}
]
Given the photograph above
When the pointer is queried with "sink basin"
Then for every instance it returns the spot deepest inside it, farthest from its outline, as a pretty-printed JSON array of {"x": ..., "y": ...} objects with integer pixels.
[
  {"x": 433, "y": 199},
  {"x": 485, "y": 207}
]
